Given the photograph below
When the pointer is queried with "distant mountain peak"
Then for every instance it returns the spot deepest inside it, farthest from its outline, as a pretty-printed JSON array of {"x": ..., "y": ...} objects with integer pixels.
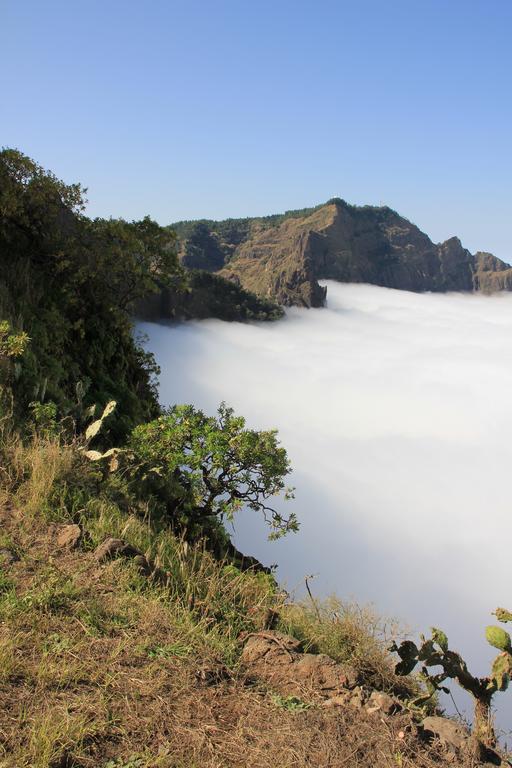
[{"x": 282, "y": 257}]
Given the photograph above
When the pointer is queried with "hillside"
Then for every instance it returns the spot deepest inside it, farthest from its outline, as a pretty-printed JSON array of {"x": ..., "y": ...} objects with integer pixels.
[
  {"x": 122, "y": 647},
  {"x": 133, "y": 634},
  {"x": 283, "y": 257}
]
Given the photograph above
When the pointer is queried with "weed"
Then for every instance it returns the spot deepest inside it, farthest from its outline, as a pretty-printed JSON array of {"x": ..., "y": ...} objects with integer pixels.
[
  {"x": 52, "y": 593},
  {"x": 55, "y": 644},
  {"x": 99, "y": 620},
  {"x": 176, "y": 650},
  {"x": 6, "y": 584},
  {"x": 290, "y": 703},
  {"x": 132, "y": 762},
  {"x": 58, "y": 736}
]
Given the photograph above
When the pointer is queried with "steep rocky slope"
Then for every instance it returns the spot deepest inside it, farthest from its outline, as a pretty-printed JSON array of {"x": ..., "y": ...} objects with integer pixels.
[{"x": 283, "y": 257}]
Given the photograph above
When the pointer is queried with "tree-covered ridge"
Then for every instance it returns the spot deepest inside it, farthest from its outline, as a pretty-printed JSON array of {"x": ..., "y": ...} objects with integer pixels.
[
  {"x": 210, "y": 244},
  {"x": 234, "y": 229},
  {"x": 69, "y": 283},
  {"x": 207, "y": 295}
]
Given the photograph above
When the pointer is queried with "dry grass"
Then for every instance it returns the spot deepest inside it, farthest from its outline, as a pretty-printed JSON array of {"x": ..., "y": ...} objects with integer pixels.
[
  {"x": 350, "y": 633},
  {"x": 31, "y": 470},
  {"x": 101, "y": 668}
]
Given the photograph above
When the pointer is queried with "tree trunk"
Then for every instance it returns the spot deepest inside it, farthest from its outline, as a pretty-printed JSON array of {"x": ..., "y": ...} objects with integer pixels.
[{"x": 483, "y": 729}]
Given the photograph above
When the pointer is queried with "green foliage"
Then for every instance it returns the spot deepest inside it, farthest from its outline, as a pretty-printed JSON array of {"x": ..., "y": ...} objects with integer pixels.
[
  {"x": 290, "y": 703},
  {"x": 203, "y": 249},
  {"x": 68, "y": 283},
  {"x": 201, "y": 468},
  {"x": 210, "y": 295},
  {"x": 12, "y": 344},
  {"x": 435, "y": 652},
  {"x": 44, "y": 416},
  {"x": 172, "y": 650}
]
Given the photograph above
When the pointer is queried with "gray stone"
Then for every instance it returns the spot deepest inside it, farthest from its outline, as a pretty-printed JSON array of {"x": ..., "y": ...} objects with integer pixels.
[
  {"x": 448, "y": 732},
  {"x": 111, "y": 548},
  {"x": 382, "y": 702}
]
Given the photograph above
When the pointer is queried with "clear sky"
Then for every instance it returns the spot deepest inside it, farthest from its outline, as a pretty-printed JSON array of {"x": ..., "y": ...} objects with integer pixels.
[{"x": 216, "y": 108}]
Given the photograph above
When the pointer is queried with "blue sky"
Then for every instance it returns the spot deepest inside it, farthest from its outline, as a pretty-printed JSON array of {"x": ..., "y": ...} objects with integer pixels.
[{"x": 216, "y": 108}]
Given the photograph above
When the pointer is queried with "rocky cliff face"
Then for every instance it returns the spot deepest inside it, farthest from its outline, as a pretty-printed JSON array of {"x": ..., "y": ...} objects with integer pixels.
[{"x": 282, "y": 258}]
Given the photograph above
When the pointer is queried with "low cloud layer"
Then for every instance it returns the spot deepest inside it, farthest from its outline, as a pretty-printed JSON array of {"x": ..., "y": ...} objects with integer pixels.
[{"x": 396, "y": 410}]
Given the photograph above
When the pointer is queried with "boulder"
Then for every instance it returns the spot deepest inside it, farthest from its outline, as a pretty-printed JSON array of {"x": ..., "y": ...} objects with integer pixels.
[
  {"x": 111, "y": 548},
  {"x": 276, "y": 658},
  {"x": 449, "y": 733},
  {"x": 382, "y": 703},
  {"x": 69, "y": 536}
]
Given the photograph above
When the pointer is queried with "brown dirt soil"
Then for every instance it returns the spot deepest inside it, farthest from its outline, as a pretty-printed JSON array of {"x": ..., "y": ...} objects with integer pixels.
[{"x": 85, "y": 680}]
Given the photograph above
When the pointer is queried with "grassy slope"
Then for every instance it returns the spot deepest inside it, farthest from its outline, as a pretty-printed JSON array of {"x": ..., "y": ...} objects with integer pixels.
[{"x": 100, "y": 666}]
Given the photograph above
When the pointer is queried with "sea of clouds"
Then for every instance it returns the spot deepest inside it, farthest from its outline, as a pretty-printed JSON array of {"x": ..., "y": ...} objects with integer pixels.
[{"x": 396, "y": 411}]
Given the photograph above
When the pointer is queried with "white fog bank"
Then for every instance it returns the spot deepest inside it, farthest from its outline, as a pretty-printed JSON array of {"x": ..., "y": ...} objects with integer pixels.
[{"x": 396, "y": 411}]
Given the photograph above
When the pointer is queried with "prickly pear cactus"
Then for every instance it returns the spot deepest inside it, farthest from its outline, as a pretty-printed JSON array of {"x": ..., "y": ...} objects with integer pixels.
[
  {"x": 498, "y": 638},
  {"x": 435, "y": 652},
  {"x": 501, "y": 672},
  {"x": 503, "y": 615}
]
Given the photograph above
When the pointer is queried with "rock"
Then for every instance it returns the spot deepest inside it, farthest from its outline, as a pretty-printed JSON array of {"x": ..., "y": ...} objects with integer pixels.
[
  {"x": 7, "y": 557},
  {"x": 69, "y": 536},
  {"x": 111, "y": 548},
  {"x": 276, "y": 658},
  {"x": 276, "y": 645},
  {"x": 382, "y": 702},
  {"x": 284, "y": 260},
  {"x": 447, "y": 731},
  {"x": 341, "y": 700},
  {"x": 357, "y": 698},
  {"x": 323, "y": 674},
  {"x": 143, "y": 564}
]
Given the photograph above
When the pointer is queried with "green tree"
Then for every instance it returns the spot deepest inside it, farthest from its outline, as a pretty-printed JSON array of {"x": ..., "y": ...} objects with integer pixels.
[
  {"x": 139, "y": 257},
  {"x": 205, "y": 468},
  {"x": 70, "y": 283}
]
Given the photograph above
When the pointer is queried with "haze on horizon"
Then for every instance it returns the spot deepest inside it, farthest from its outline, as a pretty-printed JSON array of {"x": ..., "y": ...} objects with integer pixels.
[{"x": 190, "y": 109}]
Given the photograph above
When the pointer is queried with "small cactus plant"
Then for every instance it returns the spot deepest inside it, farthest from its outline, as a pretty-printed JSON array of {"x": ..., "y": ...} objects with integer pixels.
[{"x": 435, "y": 652}]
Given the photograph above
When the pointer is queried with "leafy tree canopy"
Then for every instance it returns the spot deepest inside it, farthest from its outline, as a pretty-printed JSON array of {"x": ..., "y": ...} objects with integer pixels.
[
  {"x": 69, "y": 283},
  {"x": 205, "y": 467}
]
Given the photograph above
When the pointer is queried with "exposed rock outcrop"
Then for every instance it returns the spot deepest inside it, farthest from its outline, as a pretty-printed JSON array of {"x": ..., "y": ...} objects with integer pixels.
[
  {"x": 277, "y": 659},
  {"x": 282, "y": 258}
]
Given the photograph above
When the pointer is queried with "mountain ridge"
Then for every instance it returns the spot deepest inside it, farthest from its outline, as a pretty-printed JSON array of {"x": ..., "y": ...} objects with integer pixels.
[{"x": 283, "y": 256}]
